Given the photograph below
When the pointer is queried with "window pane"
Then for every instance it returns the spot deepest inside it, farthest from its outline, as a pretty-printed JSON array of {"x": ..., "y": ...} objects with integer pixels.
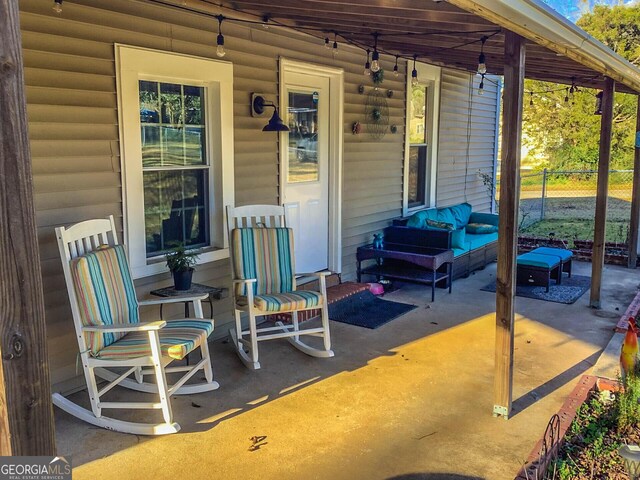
[
  {"x": 417, "y": 115},
  {"x": 172, "y": 124},
  {"x": 303, "y": 137},
  {"x": 417, "y": 175},
  {"x": 176, "y": 209}
]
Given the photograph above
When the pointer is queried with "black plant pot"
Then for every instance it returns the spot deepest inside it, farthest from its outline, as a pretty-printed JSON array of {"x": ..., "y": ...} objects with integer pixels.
[{"x": 182, "y": 279}]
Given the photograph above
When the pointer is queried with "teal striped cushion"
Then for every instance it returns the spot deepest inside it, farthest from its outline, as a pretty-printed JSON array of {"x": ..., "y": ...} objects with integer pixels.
[
  {"x": 265, "y": 254},
  {"x": 286, "y": 302},
  {"x": 177, "y": 339},
  {"x": 105, "y": 293}
]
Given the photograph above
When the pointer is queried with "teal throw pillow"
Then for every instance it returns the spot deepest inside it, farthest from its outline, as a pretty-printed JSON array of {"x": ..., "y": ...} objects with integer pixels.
[
  {"x": 416, "y": 220},
  {"x": 445, "y": 215},
  {"x": 437, "y": 224},
  {"x": 478, "y": 228},
  {"x": 458, "y": 238},
  {"x": 461, "y": 213}
]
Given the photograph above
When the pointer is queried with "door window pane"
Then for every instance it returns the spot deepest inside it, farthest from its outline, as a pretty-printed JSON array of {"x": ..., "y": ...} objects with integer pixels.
[
  {"x": 302, "y": 116},
  {"x": 417, "y": 175},
  {"x": 416, "y": 188},
  {"x": 417, "y": 115}
]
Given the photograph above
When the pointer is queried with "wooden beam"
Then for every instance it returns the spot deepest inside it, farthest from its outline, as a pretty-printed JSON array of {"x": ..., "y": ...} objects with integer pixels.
[
  {"x": 597, "y": 256},
  {"x": 634, "y": 223},
  {"x": 514, "y": 55},
  {"x": 26, "y": 413}
]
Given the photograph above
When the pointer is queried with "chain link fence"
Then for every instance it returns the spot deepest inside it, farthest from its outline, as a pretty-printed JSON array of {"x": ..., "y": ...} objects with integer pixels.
[{"x": 561, "y": 204}]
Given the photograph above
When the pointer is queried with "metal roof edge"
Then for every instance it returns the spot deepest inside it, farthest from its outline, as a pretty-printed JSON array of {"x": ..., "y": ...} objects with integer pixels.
[{"x": 539, "y": 23}]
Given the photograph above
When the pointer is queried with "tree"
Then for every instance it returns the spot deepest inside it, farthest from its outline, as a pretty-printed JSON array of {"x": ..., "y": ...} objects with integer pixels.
[{"x": 565, "y": 134}]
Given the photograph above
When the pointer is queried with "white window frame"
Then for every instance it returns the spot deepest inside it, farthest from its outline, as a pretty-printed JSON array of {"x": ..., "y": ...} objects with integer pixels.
[
  {"x": 428, "y": 75},
  {"x": 134, "y": 64}
]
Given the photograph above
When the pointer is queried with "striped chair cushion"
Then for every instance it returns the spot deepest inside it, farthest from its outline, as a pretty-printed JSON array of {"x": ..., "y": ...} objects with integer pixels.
[
  {"x": 105, "y": 293},
  {"x": 265, "y": 254},
  {"x": 287, "y": 302},
  {"x": 177, "y": 339}
]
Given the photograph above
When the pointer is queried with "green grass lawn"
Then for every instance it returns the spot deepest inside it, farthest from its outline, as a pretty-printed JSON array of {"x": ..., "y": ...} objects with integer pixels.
[{"x": 573, "y": 218}]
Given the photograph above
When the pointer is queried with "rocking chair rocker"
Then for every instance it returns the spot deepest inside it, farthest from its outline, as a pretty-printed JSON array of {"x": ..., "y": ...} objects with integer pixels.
[
  {"x": 110, "y": 334},
  {"x": 264, "y": 283}
]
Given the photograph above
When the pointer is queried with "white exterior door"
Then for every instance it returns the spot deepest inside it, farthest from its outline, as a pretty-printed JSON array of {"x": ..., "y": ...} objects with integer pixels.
[{"x": 305, "y": 169}]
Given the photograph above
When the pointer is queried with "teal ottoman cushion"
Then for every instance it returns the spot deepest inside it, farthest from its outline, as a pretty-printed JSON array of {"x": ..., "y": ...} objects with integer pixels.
[
  {"x": 558, "y": 252},
  {"x": 535, "y": 260}
]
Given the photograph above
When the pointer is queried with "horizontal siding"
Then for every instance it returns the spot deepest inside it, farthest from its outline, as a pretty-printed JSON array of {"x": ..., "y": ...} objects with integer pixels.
[
  {"x": 72, "y": 111},
  {"x": 465, "y": 147}
]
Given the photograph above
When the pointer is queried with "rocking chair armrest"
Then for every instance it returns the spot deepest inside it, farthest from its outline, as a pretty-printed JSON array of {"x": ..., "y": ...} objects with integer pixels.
[
  {"x": 246, "y": 280},
  {"x": 182, "y": 298},
  {"x": 126, "y": 327},
  {"x": 313, "y": 274}
]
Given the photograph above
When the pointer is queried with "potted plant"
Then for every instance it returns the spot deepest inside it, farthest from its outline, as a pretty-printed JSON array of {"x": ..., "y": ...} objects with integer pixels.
[{"x": 180, "y": 262}]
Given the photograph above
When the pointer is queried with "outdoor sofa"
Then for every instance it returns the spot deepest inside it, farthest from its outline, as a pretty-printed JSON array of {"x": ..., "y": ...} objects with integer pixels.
[{"x": 472, "y": 236}]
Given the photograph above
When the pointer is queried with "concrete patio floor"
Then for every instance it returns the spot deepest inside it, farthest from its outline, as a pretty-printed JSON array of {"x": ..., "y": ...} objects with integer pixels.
[{"x": 409, "y": 400}]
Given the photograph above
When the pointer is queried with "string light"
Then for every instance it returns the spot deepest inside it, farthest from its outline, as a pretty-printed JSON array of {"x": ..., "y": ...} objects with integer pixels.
[
  {"x": 335, "y": 43},
  {"x": 327, "y": 45},
  {"x": 367, "y": 65},
  {"x": 531, "y": 99},
  {"x": 375, "y": 58},
  {"x": 220, "y": 51},
  {"x": 481, "y": 86},
  {"x": 395, "y": 68},
  {"x": 482, "y": 65},
  {"x": 57, "y": 6},
  {"x": 414, "y": 73},
  {"x": 265, "y": 22},
  {"x": 566, "y": 96}
]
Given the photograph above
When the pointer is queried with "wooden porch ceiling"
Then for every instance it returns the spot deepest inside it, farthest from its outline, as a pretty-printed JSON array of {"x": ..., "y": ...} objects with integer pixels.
[{"x": 437, "y": 32}]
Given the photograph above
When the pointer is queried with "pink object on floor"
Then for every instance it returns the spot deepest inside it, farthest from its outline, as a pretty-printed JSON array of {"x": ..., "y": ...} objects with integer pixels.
[{"x": 376, "y": 288}]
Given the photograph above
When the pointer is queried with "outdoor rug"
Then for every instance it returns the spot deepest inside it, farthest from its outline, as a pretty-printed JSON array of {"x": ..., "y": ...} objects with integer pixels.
[
  {"x": 364, "y": 309},
  {"x": 570, "y": 290}
]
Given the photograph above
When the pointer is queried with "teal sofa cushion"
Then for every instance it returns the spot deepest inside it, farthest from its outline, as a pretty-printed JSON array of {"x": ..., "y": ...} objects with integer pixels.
[
  {"x": 458, "y": 238},
  {"x": 446, "y": 215},
  {"x": 487, "y": 218},
  {"x": 481, "y": 228},
  {"x": 477, "y": 240},
  {"x": 459, "y": 251},
  {"x": 461, "y": 213}
]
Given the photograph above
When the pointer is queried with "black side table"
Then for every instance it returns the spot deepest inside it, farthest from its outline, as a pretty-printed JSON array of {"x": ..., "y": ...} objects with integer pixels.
[{"x": 215, "y": 293}]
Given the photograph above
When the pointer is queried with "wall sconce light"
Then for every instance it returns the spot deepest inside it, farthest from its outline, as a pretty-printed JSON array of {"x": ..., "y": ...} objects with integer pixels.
[
  {"x": 631, "y": 457},
  {"x": 258, "y": 104},
  {"x": 598, "y": 104}
]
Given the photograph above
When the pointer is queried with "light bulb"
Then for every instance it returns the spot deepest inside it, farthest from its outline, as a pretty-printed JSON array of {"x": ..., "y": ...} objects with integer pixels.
[
  {"x": 367, "y": 69},
  {"x": 220, "y": 50},
  {"x": 481, "y": 88},
  {"x": 482, "y": 68},
  {"x": 57, "y": 6},
  {"x": 395, "y": 70},
  {"x": 375, "y": 61},
  {"x": 327, "y": 45},
  {"x": 335, "y": 47},
  {"x": 414, "y": 78}
]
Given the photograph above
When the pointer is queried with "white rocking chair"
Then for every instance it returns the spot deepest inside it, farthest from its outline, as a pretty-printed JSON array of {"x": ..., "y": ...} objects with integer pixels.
[
  {"x": 264, "y": 283},
  {"x": 110, "y": 335}
]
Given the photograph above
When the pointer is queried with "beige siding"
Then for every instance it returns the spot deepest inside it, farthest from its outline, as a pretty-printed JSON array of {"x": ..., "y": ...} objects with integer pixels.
[
  {"x": 465, "y": 147},
  {"x": 71, "y": 96}
]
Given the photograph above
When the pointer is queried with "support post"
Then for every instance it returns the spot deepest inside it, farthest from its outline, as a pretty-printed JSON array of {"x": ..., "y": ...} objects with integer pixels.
[
  {"x": 26, "y": 413},
  {"x": 634, "y": 221},
  {"x": 514, "y": 57},
  {"x": 597, "y": 256},
  {"x": 544, "y": 193}
]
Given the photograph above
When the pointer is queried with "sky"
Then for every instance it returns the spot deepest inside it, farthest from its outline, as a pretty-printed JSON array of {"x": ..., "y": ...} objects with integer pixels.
[{"x": 572, "y": 9}]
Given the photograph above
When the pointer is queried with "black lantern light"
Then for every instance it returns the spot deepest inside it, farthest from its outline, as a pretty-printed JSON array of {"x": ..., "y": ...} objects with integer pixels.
[{"x": 258, "y": 104}]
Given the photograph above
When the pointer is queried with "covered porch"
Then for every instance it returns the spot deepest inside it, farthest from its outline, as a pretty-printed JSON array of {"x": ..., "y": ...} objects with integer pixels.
[
  {"x": 410, "y": 400},
  {"x": 369, "y": 373}
]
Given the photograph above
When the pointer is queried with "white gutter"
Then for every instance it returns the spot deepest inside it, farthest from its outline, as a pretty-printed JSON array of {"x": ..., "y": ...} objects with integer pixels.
[{"x": 537, "y": 22}]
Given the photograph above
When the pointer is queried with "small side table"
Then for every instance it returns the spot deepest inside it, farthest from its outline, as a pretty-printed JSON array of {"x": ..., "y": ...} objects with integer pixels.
[{"x": 215, "y": 293}]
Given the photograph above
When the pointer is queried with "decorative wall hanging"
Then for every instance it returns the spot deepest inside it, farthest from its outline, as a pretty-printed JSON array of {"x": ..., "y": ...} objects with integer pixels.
[
  {"x": 377, "y": 113},
  {"x": 377, "y": 77},
  {"x": 356, "y": 128}
]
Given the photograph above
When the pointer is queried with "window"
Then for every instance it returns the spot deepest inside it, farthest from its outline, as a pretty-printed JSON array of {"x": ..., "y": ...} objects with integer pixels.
[
  {"x": 176, "y": 130},
  {"x": 417, "y": 146},
  {"x": 421, "y": 139}
]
